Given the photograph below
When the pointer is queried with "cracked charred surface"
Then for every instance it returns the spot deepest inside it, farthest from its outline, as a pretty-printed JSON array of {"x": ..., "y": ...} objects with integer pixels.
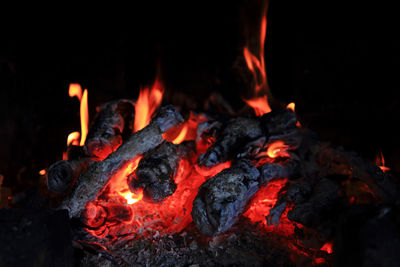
[
  {"x": 222, "y": 198},
  {"x": 93, "y": 180}
]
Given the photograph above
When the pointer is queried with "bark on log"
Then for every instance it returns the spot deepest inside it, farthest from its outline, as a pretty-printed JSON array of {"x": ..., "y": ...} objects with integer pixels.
[
  {"x": 222, "y": 198},
  {"x": 236, "y": 133},
  {"x": 93, "y": 180},
  {"x": 112, "y": 124}
]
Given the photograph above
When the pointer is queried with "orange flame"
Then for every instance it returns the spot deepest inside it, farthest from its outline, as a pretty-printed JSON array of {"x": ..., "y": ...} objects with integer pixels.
[
  {"x": 291, "y": 106},
  {"x": 380, "y": 162},
  {"x": 42, "y": 172},
  {"x": 73, "y": 138},
  {"x": 147, "y": 103},
  {"x": 181, "y": 136},
  {"x": 75, "y": 89},
  {"x": 278, "y": 149},
  {"x": 259, "y": 104}
]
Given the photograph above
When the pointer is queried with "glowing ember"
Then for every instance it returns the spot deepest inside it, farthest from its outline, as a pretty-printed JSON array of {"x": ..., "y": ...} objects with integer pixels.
[
  {"x": 148, "y": 101},
  {"x": 380, "y": 162},
  {"x": 181, "y": 136},
  {"x": 42, "y": 172},
  {"x": 278, "y": 149},
  {"x": 73, "y": 138}
]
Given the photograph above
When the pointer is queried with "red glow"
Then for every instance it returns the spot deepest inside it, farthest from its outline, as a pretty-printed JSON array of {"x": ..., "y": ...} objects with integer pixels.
[
  {"x": 380, "y": 162},
  {"x": 148, "y": 101},
  {"x": 278, "y": 149},
  {"x": 260, "y": 105},
  {"x": 327, "y": 247}
]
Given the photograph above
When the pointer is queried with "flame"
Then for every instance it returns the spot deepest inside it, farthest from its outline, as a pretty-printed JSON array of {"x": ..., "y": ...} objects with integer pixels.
[
  {"x": 278, "y": 149},
  {"x": 73, "y": 138},
  {"x": 147, "y": 103},
  {"x": 327, "y": 247},
  {"x": 291, "y": 106},
  {"x": 84, "y": 117},
  {"x": 75, "y": 89},
  {"x": 259, "y": 104},
  {"x": 380, "y": 162},
  {"x": 42, "y": 172},
  {"x": 181, "y": 136}
]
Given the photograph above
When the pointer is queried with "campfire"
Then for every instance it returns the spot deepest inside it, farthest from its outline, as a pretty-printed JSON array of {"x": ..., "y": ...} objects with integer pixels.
[{"x": 149, "y": 183}]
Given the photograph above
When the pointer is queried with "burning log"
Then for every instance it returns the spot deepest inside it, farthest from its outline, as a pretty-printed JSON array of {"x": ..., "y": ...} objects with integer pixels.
[
  {"x": 222, "y": 198},
  {"x": 156, "y": 172},
  {"x": 92, "y": 181},
  {"x": 113, "y": 123},
  {"x": 237, "y": 132}
]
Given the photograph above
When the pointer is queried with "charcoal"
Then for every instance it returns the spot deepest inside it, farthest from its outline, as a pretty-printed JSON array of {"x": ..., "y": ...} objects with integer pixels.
[
  {"x": 112, "y": 124},
  {"x": 288, "y": 169},
  {"x": 155, "y": 173},
  {"x": 93, "y": 180},
  {"x": 222, "y": 198},
  {"x": 237, "y": 132},
  {"x": 279, "y": 122}
]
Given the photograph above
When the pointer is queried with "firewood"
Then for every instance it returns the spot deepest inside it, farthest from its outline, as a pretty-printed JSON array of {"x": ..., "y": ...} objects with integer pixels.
[
  {"x": 112, "y": 124},
  {"x": 222, "y": 198},
  {"x": 62, "y": 174},
  {"x": 237, "y": 132},
  {"x": 93, "y": 180}
]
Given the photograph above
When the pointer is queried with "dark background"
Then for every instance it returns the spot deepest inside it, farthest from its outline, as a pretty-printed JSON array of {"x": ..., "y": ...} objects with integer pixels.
[{"x": 338, "y": 63}]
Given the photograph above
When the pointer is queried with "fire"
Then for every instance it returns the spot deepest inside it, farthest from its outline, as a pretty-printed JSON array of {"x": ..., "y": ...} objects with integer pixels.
[
  {"x": 327, "y": 247},
  {"x": 380, "y": 162},
  {"x": 291, "y": 106},
  {"x": 76, "y": 90},
  {"x": 278, "y": 149},
  {"x": 260, "y": 105},
  {"x": 73, "y": 138},
  {"x": 42, "y": 172},
  {"x": 147, "y": 103},
  {"x": 257, "y": 64}
]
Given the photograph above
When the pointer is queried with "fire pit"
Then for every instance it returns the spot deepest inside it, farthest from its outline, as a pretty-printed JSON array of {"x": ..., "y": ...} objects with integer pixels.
[{"x": 155, "y": 180}]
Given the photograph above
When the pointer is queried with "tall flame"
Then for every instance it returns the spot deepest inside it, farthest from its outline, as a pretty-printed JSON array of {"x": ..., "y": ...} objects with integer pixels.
[
  {"x": 257, "y": 64},
  {"x": 147, "y": 103},
  {"x": 76, "y": 90}
]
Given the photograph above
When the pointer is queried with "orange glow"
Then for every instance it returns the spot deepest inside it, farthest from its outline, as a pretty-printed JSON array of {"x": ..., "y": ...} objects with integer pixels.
[
  {"x": 148, "y": 101},
  {"x": 42, "y": 172},
  {"x": 181, "y": 136},
  {"x": 73, "y": 138},
  {"x": 327, "y": 247},
  {"x": 380, "y": 162},
  {"x": 75, "y": 89},
  {"x": 257, "y": 65},
  {"x": 278, "y": 149},
  {"x": 260, "y": 105},
  {"x": 84, "y": 117},
  {"x": 291, "y": 106}
]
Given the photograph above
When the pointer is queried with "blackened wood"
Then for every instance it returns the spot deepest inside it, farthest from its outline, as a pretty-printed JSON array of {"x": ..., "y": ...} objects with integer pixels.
[
  {"x": 155, "y": 173},
  {"x": 112, "y": 124},
  {"x": 236, "y": 133},
  {"x": 222, "y": 198},
  {"x": 62, "y": 174},
  {"x": 93, "y": 180},
  {"x": 279, "y": 123}
]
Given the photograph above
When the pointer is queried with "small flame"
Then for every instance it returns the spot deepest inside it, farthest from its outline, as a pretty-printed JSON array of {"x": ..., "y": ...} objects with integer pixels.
[
  {"x": 260, "y": 105},
  {"x": 130, "y": 197},
  {"x": 75, "y": 89},
  {"x": 327, "y": 247},
  {"x": 380, "y": 162},
  {"x": 42, "y": 172},
  {"x": 84, "y": 117},
  {"x": 73, "y": 138},
  {"x": 291, "y": 106},
  {"x": 181, "y": 136},
  {"x": 147, "y": 103},
  {"x": 278, "y": 149}
]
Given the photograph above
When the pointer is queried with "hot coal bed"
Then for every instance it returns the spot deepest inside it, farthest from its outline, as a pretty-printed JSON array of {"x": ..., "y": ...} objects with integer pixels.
[{"x": 163, "y": 178}]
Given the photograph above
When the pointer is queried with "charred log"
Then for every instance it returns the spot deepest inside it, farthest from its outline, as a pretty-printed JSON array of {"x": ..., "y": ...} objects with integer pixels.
[
  {"x": 222, "y": 198},
  {"x": 112, "y": 124},
  {"x": 93, "y": 180},
  {"x": 236, "y": 133}
]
